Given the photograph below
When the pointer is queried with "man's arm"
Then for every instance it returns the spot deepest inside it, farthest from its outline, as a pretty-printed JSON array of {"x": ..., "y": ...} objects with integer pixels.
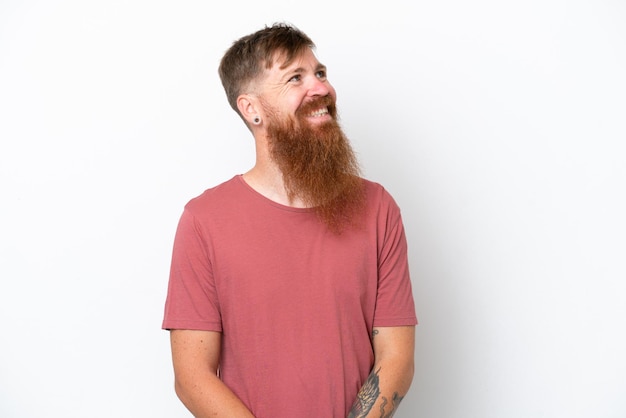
[
  {"x": 196, "y": 355},
  {"x": 391, "y": 375}
]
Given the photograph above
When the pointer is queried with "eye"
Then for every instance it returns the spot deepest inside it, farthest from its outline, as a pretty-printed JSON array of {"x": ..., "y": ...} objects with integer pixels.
[
  {"x": 295, "y": 78},
  {"x": 321, "y": 74}
]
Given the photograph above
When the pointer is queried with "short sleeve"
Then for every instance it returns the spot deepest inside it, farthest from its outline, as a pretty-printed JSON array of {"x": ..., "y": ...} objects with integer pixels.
[
  {"x": 191, "y": 301},
  {"x": 394, "y": 302}
]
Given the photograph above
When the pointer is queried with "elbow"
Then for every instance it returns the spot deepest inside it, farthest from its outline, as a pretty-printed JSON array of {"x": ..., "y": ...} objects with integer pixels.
[
  {"x": 180, "y": 389},
  {"x": 411, "y": 365},
  {"x": 409, "y": 373},
  {"x": 183, "y": 390}
]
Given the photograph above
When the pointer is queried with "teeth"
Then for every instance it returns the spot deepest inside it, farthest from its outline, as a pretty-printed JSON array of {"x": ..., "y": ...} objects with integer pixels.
[{"x": 320, "y": 112}]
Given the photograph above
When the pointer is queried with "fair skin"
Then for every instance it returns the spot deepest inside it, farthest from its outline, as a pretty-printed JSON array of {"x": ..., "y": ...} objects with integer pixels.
[
  {"x": 196, "y": 354},
  {"x": 392, "y": 373},
  {"x": 286, "y": 89}
]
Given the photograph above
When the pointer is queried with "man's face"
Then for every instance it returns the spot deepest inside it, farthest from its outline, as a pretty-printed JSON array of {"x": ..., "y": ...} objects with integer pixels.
[
  {"x": 294, "y": 92},
  {"x": 307, "y": 144}
]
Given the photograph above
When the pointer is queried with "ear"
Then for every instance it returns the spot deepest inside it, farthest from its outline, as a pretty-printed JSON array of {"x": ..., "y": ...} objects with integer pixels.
[{"x": 248, "y": 106}]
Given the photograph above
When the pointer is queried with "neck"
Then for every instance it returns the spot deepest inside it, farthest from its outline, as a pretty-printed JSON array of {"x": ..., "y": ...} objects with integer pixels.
[{"x": 266, "y": 179}]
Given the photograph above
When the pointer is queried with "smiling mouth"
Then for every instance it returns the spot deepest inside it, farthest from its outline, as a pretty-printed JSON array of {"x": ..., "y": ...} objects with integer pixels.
[
  {"x": 321, "y": 107},
  {"x": 319, "y": 112}
]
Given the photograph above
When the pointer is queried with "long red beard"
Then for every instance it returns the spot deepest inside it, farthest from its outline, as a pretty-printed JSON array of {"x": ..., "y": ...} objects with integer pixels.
[{"x": 318, "y": 166}]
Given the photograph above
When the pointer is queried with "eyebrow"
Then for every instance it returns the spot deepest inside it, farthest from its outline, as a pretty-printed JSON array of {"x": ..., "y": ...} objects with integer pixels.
[{"x": 289, "y": 73}]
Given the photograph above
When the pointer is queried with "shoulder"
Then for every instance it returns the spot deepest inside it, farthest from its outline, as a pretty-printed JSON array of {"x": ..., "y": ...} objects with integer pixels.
[
  {"x": 217, "y": 196},
  {"x": 379, "y": 197}
]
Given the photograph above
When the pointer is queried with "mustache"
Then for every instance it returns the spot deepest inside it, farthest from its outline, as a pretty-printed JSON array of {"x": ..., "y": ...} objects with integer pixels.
[{"x": 317, "y": 103}]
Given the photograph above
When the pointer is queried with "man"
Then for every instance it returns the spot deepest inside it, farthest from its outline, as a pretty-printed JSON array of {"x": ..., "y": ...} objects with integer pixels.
[{"x": 289, "y": 293}]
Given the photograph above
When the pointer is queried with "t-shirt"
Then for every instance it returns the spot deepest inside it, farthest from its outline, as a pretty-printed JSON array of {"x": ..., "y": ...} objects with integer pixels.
[{"x": 294, "y": 301}]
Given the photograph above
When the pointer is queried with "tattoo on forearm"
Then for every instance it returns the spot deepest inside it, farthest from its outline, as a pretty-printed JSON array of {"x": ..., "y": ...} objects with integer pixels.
[
  {"x": 395, "y": 401},
  {"x": 366, "y": 398},
  {"x": 374, "y": 333},
  {"x": 368, "y": 395}
]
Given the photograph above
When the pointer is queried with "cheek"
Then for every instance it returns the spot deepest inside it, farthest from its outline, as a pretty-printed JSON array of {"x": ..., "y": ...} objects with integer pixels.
[{"x": 288, "y": 102}]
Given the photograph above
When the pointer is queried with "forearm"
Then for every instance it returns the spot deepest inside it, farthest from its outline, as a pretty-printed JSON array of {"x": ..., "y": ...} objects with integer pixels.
[
  {"x": 391, "y": 376},
  {"x": 195, "y": 355},
  {"x": 382, "y": 392},
  {"x": 208, "y": 396}
]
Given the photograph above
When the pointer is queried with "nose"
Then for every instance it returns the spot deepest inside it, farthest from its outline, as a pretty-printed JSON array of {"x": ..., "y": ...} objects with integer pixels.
[{"x": 320, "y": 87}]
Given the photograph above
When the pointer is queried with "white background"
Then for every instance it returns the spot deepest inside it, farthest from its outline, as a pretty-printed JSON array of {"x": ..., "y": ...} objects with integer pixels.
[{"x": 498, "y": 126}]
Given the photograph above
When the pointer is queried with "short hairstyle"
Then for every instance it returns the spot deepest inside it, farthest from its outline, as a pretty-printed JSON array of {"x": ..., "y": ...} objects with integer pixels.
[{"x": 250, "y": 55}]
